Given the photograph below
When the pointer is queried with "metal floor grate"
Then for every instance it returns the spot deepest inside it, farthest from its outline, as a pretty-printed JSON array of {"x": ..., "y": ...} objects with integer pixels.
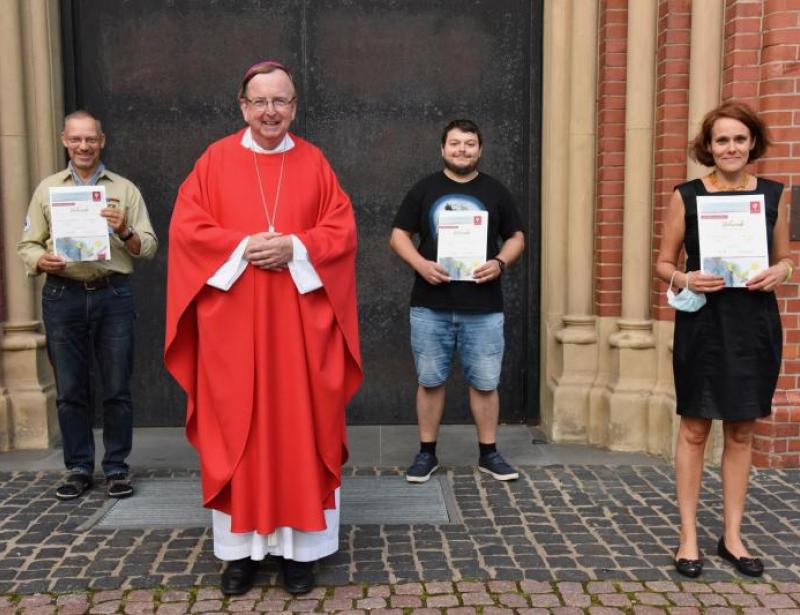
[
  {"x": 391, "y": 500},
  {"x": 385, "y": 500}
]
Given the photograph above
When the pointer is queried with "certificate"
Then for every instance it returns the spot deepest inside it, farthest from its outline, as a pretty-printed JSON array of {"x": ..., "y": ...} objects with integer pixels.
[
  {"x": 462, "y": 243},
  {"x": 78, "y": 230},
  {"x": 733, "y": 236}
]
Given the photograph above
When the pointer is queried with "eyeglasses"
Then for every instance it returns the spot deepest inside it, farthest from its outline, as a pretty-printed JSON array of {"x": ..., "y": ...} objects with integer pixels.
[
  {"x": 87, "y": 140},
  {"x": 261, "y": 104}
]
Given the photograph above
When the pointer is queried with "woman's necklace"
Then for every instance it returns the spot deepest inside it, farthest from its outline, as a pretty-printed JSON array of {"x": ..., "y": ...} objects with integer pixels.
[
  {"x": 714, "y": 181},
  {"x": 270, "y": 219}
]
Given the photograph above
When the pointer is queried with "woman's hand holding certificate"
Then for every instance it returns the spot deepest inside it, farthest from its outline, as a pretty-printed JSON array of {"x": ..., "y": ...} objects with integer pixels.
[
  {"x": 699, "y": 282},
  {"x": 769, "y": 279}
]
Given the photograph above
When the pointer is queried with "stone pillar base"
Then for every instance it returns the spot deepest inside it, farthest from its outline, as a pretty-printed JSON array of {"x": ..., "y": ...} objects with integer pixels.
[
  {"x": 598, "y": 396},
  {"x": 629, "y": 390},
  {"x": 6, "y": 433},
  {"x": 31, "y": 393},
  {"x": 570, "y": 415}
]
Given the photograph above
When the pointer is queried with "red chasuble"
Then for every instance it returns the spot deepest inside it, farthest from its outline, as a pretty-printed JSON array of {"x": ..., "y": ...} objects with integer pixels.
[{"x": 267, "y": 371}]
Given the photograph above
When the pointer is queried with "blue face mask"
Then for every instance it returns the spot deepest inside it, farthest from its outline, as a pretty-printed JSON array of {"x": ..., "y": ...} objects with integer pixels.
[{"x": 686, "y": 300}]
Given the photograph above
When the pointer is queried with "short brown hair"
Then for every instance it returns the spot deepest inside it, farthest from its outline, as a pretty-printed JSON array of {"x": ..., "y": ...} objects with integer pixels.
[
  {"x": 464, "y": 126},
  {"x": 82, "y": 114},
  {"x": 736, "y": 110},
  {"x": 262, "y": 68}
]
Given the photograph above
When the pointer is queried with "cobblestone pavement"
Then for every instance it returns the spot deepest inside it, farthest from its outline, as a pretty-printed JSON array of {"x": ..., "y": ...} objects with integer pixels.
[
  {"x": 461, "y": 598},
  {"x": 584, "y": 528}
]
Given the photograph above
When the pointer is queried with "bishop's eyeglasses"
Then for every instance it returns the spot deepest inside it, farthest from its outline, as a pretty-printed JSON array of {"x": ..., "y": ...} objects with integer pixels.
[{"x": 261, "y": 104}]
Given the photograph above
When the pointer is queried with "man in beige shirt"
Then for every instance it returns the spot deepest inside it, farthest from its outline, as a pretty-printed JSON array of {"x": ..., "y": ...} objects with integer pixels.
[{"x": 88, "y": 310}]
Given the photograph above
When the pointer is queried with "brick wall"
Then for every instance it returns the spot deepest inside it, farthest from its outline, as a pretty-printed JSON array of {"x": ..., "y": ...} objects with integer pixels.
[
  {"x": 613, "y": 20},
  {"x": 760, "y": 65}
]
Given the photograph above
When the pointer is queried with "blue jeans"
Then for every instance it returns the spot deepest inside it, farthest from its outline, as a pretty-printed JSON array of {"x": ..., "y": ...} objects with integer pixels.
[
  {"x": 477, "y": 336},
  {"x": 80, "y": 325}
]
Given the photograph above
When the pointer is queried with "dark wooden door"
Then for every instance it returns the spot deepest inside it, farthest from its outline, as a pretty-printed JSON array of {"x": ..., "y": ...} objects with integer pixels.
[{"x": 377, "y": 81}]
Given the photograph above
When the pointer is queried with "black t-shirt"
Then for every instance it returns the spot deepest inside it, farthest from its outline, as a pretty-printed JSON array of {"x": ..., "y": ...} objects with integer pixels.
[{"x": 419, "y": 213}]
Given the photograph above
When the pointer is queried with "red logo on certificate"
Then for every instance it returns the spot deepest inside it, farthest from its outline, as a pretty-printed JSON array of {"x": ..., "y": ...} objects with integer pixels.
[
  {"x": 476, "y": 220},
  {"x": 96, "y": 195},
  {"x": 755, "y": 207}
]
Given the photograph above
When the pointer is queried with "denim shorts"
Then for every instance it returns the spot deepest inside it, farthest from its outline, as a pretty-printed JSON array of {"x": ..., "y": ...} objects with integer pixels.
[{"x": 478, "y": 338}]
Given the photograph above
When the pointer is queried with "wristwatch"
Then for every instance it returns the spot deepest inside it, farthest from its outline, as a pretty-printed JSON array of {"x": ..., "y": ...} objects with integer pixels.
[
  {"x": 131, "y": 232},
  {"x": 500, "y": 262}
]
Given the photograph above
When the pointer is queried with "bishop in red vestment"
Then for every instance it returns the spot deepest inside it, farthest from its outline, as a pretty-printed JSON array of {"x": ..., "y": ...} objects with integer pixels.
[{"x": 262, "y": 332}]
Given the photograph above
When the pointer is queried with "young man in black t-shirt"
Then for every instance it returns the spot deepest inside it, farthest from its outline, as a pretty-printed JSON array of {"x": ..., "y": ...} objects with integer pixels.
[{"x": 464, "y": 316}]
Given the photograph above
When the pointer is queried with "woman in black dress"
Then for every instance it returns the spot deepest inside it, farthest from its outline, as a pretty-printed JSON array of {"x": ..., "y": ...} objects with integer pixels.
[{"x": 727, "y": 353}]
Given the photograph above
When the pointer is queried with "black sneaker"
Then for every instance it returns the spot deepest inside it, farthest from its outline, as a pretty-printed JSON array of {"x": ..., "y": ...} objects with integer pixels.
[
  {"x": 119, "y": 486},
  {"x": 424, "y": 465},
  {"x": 494, "y": 464}
]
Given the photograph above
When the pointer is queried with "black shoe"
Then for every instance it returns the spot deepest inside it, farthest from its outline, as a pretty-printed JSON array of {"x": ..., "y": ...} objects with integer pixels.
[
  {"x": 494, "y": 464},
  {"x": 298, "y": 577},
  {"x": 119, "y": 486},
  {"x": 74, "y": 486},
  {"x": 421, "y": 469},
  {"x": 751, "y": 566},
  {"x": 691, "y": 568},
  {"x": 238, "y": 576}
]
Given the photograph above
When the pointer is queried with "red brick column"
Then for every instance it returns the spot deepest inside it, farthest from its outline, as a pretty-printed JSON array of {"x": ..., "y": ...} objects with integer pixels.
[
  {"x": 613, "y": 25},
  {"x": 672, "y": 112},
  {"x": 742, "y": 50}
]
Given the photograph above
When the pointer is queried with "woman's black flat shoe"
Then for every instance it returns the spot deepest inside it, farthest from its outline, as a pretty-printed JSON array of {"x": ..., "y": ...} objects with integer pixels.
[
  {"x": 691, "y": 568},
  {"x": 751, "y": 566}
]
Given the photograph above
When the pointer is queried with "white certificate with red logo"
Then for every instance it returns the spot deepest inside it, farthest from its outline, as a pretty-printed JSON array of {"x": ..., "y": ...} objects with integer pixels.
[
  {"x": 733, "y": 236},
  {"x": 462, "y": 243},
  {"x": 78, "y": 231}
]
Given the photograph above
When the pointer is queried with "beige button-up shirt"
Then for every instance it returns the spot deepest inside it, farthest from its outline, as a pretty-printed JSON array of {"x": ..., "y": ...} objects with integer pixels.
[{"x": 120, "y": 192}]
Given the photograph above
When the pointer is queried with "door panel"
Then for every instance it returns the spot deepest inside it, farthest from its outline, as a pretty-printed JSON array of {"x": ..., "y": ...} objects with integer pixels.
[{"x": 377, "y": 82}]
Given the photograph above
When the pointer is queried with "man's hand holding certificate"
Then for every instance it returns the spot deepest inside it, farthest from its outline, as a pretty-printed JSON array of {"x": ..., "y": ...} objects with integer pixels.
[
  {"x": 78, "y": 230},
  {"x": 462, "y": 243},
  {"x": 733, "y": 237}
]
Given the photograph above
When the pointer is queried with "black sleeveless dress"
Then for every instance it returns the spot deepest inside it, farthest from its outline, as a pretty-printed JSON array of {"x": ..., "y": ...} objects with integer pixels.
[{"x": 727, "y": 355}]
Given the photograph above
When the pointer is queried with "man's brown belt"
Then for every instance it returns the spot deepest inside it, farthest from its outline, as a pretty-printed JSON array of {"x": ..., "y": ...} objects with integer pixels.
[{"x": 95, "y": 284}]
